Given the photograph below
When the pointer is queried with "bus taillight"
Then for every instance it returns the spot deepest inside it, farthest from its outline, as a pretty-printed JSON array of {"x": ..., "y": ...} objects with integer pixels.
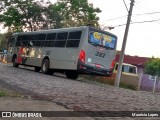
[
  {"x": 112, "y": 64},
  {"x": 82, "y": 56}
]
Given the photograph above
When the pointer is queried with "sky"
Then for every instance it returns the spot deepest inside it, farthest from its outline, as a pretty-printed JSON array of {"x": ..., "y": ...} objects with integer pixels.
[{"x": 143, "y": 38}]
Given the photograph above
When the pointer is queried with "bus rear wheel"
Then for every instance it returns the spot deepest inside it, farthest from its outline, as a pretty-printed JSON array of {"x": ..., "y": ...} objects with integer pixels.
[
  {"x": 72, "y": 74},
  {"x": 45, "y": 67},
  {"x": 15, "y": 64}
]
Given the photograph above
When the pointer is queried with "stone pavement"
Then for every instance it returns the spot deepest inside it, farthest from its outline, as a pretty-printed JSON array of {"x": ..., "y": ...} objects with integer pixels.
[{"x": 77, "y": 94}]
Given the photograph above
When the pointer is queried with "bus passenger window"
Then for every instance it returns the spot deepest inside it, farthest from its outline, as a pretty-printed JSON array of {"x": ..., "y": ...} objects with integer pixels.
[
  {"x": 75, "y": 35},
  {"x": 60, "y": 44},
  {"x": 74, "y": 39},
  {"x": 41, "y": 37},
  {"x": 72, "y": 43},
  {"x": 48, "y": 43},
  {"x": 38, "y": 43},
  {"x": 62, "y": 36},
  {"x": 51, "y": 36},
  {"x": 61, "y": 39}
]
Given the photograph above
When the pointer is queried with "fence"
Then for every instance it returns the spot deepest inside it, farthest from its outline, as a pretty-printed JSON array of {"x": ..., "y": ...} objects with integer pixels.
[{"x": 149, "y": 83}]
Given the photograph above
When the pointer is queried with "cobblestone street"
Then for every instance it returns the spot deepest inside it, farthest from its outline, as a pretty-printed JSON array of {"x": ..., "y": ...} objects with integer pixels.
[{"x": 77, "y": 94}]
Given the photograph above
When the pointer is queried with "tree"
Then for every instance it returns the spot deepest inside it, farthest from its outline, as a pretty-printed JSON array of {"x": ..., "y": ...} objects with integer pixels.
[
  {"x": 78, "y": 13},
  {"x": 19, "y": 15},
  {"x": 153, "y": 67},
  {"x": 3, "y": 40}
]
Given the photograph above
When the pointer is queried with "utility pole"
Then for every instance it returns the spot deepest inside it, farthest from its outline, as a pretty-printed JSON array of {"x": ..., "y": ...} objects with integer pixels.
[{"x": 119, "y": 71}]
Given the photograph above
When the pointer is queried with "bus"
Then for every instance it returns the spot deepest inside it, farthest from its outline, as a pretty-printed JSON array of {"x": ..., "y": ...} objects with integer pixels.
[{"x": 74, "y": 51}]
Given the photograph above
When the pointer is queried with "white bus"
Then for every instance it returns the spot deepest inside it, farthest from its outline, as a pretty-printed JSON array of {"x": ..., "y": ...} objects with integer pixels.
[{"x": 76, "y": 50}]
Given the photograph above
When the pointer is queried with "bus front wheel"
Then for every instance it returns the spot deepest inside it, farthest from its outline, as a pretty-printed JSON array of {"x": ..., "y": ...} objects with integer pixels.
[
  {"x": 72, "y": 74},
  {"x": 45, "y": 67}
]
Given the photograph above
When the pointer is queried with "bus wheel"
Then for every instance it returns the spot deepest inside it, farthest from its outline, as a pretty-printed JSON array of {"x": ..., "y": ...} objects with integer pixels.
[
  {"x": 72, "y": 74},
  {"x": 15, "y": 64},
  {"x": 45, "y": 67},
  {"x": 37, "y": 69}
]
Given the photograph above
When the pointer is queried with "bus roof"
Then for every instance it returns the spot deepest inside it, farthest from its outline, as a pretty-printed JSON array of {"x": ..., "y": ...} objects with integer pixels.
[{"x": 65, "y": 29}]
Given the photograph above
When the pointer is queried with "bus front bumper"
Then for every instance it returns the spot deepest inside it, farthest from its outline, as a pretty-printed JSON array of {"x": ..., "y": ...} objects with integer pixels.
[{"x": 92, "y": 70}]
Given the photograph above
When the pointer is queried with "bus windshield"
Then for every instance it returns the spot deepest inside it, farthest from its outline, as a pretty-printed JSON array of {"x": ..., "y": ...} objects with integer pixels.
[{"x": 102, "y": 39}]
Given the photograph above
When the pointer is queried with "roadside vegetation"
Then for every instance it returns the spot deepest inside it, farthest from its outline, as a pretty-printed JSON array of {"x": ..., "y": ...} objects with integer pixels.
[
  {"x": 2, "y": 93},
  {"x": 105, "y": 80},
  {"x": 152, "y": 67},
  {"x": 6, "y": 92}
]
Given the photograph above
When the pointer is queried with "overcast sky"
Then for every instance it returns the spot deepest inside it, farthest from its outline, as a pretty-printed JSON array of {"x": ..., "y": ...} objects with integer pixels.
[{"x": 143, "y": 38}]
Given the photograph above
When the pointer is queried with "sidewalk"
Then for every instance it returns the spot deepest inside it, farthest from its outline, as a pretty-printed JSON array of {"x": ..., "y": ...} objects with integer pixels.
[{"x": 13, "y": 101}]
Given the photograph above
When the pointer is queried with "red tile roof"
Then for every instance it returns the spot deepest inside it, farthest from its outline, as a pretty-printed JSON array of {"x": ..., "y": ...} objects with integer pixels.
[{"x": 134, "y": 60}]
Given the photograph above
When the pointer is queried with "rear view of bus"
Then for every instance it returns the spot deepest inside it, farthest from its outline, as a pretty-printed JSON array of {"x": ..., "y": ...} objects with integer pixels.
[{"x": 98, "y": 53}]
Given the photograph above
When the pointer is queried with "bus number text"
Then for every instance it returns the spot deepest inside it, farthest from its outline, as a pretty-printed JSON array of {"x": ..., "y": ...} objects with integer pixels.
[{"x": 100, "y": 54}]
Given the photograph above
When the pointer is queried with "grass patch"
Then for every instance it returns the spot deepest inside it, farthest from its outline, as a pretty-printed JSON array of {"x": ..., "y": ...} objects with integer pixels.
[
  {"x": 2, "y": 94},
  {"x": 105, "y": 80},
  {"x": 122, "y": 85}
]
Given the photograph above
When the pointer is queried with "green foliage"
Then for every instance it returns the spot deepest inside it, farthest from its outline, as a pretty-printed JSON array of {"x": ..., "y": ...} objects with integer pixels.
[
  {"x": 126, "y": 86},
  {"x": 25, "y": 14},
  {"x": 106, "y": 80},
  {"x": 2, "y": 94},
  {"x": 3, "y": 40},
  {"x": 19, "y": 15},
  {"x": 78, "y": 13},
  {"x": 153, "y": 67}
]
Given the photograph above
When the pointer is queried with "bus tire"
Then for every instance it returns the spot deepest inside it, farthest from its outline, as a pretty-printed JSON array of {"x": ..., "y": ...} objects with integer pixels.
[
  {"x": 15, "y": 64},
  {"x": 72, "y": 74},
  {"x": 45, "y": 67},
  {"x": 37, "y": 69}
]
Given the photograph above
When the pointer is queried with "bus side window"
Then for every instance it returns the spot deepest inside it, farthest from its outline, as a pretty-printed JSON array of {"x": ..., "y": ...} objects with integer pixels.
[
  {"x": 49, "y": 42},
  {"x": 61, "y": 39},
  {"x": 74, "y": 39}
]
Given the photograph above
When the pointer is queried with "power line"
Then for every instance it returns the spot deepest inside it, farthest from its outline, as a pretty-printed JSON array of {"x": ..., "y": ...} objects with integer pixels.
[
  {"x": 151, "y": 12},
  {"x": 138, "y": 22},
  {"x": 125, "y": 5},
  {"x": 115, "y": 18},
  {"x": 146, "y": 13}
]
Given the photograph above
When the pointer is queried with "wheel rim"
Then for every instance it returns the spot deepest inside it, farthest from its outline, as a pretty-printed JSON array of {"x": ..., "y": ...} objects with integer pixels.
[{"x": 44, "y": 66}]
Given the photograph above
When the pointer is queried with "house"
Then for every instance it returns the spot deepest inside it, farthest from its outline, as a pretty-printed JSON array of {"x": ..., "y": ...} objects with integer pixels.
[{"x": 134, "y": 60}]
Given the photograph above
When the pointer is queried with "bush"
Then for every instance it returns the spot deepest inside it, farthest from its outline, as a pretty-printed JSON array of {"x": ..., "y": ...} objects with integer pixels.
[{"x": 2, "y": 94}]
